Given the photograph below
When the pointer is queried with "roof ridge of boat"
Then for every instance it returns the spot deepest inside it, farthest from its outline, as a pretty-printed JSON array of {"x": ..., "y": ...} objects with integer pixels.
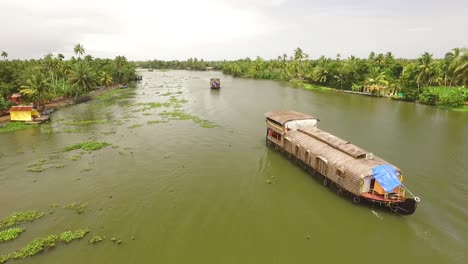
[{"x": 338, "y": 143}]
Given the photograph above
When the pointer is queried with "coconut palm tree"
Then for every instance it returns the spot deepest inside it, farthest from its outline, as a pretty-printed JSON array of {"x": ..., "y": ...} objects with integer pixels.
[
  {"x": 376, "y": 80},
  {"x": 461, "y": 71},
  {"x": 320, "y": 73},
  {"x": 105, "y": 79},
  {"x": 82, "y": 78},
  {"x": 426, "y": 69},
  {"x": 79, "y": 50},
  {"x": 4, "y": 55},
  {"x": 454, "y": 60},
  {"x": 299, "y": 54},
  {"x": 36, "y": 88}
]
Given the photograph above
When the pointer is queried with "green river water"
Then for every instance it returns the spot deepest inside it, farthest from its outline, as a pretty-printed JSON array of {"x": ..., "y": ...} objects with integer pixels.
[{"x": 177, "y": 192}]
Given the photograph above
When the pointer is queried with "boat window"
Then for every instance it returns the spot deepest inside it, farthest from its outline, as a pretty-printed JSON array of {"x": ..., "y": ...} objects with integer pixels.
[{"x": 274, "y": 134}]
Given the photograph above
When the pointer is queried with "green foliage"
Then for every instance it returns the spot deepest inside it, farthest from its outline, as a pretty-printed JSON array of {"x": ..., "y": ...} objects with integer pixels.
[
  {"x": 88, "y": 122},
  {"x": 444, "y": 96},
  {"x": 156, "y": 122},
  {"x": 77, "y": 207},
  {"x": 15, "y": 126},
  {"x": 135, "y": 126},
  {"x": 53, "y": 76},
  {"x": 179, "y": 115},
  {"x": 19, "y": 218},
  {"x": 69, "y": 236},
  {"x": 5, "y": 105},
  {"x": 88, "y": 146},
  {"x": 39, "y": 244},
  {"x": 10, "y": 234},
  {"x": 451, "y": 97},
  {"x": 429, "y": 96},
  {"x": 95, "y": 239}
]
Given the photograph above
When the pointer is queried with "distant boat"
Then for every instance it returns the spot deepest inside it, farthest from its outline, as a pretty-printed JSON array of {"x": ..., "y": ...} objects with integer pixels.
[
  {"x": 150, "y": 69},
  {"x": 138, "y": 78},
  {"x": 123, "y": 86},
  {"x": 215, "y": 83}
]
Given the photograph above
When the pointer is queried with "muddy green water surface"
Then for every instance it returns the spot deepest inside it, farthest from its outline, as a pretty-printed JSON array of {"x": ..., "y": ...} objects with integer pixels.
[{"x": 196, "y": 191}]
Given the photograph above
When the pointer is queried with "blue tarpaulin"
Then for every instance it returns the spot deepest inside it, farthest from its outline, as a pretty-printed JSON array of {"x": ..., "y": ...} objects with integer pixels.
[{"x": 386, "y": 176}]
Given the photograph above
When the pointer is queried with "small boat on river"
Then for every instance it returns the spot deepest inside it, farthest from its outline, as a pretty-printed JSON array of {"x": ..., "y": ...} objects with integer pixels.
[
  {"x": 215, "y": 83},
  {"x": 337, "y": 163}
]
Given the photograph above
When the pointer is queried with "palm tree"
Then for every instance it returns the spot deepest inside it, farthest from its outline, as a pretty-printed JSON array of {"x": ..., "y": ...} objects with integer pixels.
[
  {"x": 120, "y": 62},
  {"x": 4, "y": 55},
  {"x": 79, "y": 50},
  {"x": 461, "y": 72},
  {"x": 82, "y": 78},
  {"x": 105, "y": 79},
  {"x": 454, "y": 60},
  {"x": 320, "y": 73},
  {"x": 376, "y": 80},
  {"x": 36, "y": 88},
  {"x": 425, "y": 69},
  {"x": 299, "y": 54}
]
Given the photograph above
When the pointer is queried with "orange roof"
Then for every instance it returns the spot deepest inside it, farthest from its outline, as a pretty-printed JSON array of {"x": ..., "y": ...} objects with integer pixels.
[{"x": 20, "y": 108}]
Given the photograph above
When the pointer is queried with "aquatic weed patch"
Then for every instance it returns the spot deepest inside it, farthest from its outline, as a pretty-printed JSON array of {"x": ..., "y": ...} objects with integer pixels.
[
  {"x": 135, "y": 126},
  {"x": 15, "y": 126},
  {"x": 39, "y": 244},
  {"x": 179, "y": 115},
  {"x": 95, "y": 239},
  {"x": 10, "y": 234},
  {"x": 69, "y": 236},
  {"x": 74, "y": 131},
  {"x": 152, "y": 105},
  {"x": 77, "y": 207},
  {"x": 172, "y": 102},
  {"x": 156, "y": 122},
  {"x": 115, "y": 93},
  {"x": 88, "y": 146},
  {"x": 36, "y": 167},
  {"x": 89, "y": 122},
  {"x": 19, "y": 218},
  {"x": 463, "y": 108}
]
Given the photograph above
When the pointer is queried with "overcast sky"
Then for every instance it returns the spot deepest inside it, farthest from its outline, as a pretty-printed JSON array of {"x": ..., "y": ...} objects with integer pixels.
[{"x": 231, "y": 29}]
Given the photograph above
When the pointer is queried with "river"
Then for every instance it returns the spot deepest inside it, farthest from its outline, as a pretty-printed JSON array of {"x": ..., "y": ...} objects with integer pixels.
[{"x": 177, "y": 192}]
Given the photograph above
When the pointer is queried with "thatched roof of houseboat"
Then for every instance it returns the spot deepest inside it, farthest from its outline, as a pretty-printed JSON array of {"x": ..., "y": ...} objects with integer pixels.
[
  {"x": 337, "y": 152},
  {"x": 285, "y": 116}
]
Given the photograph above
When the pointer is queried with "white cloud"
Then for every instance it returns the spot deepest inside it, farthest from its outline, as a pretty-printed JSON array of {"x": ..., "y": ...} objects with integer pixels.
[{"x": 178, "y": 29}]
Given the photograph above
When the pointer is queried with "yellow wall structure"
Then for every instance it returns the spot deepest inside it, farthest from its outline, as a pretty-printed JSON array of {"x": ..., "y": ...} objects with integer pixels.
[{"x": 23, "y": 115}]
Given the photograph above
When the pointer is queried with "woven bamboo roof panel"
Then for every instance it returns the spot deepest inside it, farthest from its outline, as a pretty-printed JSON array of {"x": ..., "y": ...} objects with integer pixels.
[
  {"x": 334, "y": 141},
  {"x": 360, "y": 167}
]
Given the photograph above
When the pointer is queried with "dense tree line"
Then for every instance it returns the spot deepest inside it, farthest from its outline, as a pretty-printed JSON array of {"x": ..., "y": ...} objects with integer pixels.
[
  {"x": 53, "y": 76},
  {"x": 379, "y": 72},
  {"x": 190, "y": 64}
]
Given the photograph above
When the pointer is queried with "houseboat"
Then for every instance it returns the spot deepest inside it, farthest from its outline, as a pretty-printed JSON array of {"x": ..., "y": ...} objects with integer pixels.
[
  {"x": 337, "y": 163},
  {"x": 215, "y": 83}
]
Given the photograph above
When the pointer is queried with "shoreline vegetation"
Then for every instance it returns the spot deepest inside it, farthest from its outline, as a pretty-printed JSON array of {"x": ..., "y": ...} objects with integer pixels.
[
  {"x": 440, "y": 82},
  {"x": 54, "y": 82}
]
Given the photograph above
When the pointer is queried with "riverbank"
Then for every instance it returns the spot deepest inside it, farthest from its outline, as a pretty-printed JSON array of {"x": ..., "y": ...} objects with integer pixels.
[
  {"x": 55, "y": 104},
  {"x": 307, "y": 86}
]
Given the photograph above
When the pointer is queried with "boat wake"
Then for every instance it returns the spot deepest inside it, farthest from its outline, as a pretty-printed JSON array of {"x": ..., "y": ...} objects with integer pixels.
[{"x": 377, "y": 215}]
